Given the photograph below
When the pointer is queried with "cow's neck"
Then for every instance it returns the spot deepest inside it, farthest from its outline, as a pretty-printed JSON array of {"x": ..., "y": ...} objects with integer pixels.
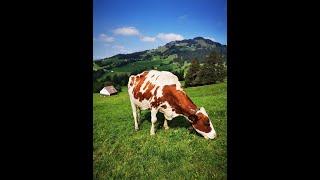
[
  {"x": 185, "y": 106},
  {"x": 179, "y": 100}
]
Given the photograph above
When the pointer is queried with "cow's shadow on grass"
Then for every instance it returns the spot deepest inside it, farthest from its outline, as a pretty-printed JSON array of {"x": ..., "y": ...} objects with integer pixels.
[{"x": 178, "y": 122}]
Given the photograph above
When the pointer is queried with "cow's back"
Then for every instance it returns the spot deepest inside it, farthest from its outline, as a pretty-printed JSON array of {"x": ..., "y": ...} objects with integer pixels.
[{"x": 144, "y": 86}]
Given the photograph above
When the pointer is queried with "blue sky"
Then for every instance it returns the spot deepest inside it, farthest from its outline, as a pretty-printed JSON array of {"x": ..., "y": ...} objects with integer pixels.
[{"x": 126, "y": 26}]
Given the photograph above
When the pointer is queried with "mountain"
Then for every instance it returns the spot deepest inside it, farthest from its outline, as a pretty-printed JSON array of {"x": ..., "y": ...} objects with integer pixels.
[
  {"x": 198, "y": 48},
  {"x": 173, "y": 56}
]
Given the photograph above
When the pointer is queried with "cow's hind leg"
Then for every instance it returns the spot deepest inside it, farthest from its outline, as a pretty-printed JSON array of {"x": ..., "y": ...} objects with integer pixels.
[
  {"x": 134, "y": 113},
  {"x": 153, "y": 121},
  {"x": 138, "y": 115},
  {"x": 165, "y": 124}
]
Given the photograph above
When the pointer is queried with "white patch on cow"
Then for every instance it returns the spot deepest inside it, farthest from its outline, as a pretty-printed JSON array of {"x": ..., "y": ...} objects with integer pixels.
[
  {"x": 210, "y": 135},
  {"x": 159, "y": 91},
  {"x": 145, "y": 104},
  {"x": 168, "y": 113},
  {"x": 166, "y": 78},
  {"x": 178, "y": 86}
]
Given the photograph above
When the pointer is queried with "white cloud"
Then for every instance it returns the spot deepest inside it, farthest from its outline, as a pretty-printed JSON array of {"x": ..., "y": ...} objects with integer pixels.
[
  {"x": 169, "y": 37},
  {"x": 147, "y": 39},
  {"x": 126, "y": 31},
  {"x": 105, "y": 38},
  {"x": 211, "y": 38}
]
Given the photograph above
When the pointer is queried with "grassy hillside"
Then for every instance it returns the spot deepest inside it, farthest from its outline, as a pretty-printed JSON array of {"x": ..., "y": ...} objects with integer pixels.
[
  {"x": 170, "y": 57},
  {"x": 120, "y": 152}
]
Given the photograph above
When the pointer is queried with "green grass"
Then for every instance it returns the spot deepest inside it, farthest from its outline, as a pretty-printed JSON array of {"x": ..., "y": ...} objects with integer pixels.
[{"x": 121, "y": 153}]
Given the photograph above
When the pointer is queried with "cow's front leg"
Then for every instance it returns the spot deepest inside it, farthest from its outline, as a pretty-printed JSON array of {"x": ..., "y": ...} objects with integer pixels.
[
  {"x": 165, "y": 124},
  {"x": 153, "y": 121}
]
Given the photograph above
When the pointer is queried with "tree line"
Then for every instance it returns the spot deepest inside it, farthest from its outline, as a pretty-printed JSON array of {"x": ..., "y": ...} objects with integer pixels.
[{"x": 212, "y": 71}]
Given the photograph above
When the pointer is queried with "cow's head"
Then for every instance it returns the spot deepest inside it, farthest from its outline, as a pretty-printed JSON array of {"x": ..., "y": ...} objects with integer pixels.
[{"x": 202, "y": 124}]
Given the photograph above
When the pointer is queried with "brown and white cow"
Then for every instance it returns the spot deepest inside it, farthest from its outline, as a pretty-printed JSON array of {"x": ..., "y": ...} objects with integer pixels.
[{"x": 161, "y": 91}]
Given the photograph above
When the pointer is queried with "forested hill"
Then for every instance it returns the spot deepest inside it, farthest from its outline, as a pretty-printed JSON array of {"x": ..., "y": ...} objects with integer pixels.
[
  {"x": 175, "y": 51},
  {"x": 174, "y": 56}
]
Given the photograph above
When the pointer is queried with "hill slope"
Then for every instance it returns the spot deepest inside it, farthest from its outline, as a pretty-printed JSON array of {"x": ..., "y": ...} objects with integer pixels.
[
  {"x": 178, "y": 51},
  {"x": 173, "y": 56}
]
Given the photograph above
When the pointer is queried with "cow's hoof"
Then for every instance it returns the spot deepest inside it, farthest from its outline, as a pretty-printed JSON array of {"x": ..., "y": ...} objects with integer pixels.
[
  {"x": 136, "y": 129},
  {"x": 166, "y": 128},
  {"x": 152, "y": 134}
]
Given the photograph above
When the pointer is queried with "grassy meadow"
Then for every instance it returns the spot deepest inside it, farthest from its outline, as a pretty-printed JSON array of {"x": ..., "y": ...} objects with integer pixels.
[{"x": 120, "y": 152}]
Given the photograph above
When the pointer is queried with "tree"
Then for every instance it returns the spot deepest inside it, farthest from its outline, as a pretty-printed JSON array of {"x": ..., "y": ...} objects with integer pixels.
[
  {"x": 215, "y": 69},
  {"x": 179, "y": 73},
  {"x": 126, "y": 79},
  {"x": 135, "y": 72},
  {"x": 97, "y": 86},
  {"x": 118, "y": 87},
  {"x": 97, "y": 74},
  {"x": 201, "y": 76},
  {"x": 221, "y": 72},
  {"x": 115, "y": 79},
  {"x": 107, "y": 83},
  {"x": 123, "y": 79},
  {"x": 192, "y": 73}
]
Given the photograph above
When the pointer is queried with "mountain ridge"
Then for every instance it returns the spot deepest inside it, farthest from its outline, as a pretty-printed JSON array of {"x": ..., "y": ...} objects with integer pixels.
[
  {"x": 174, "y": 56},
  {"x": 169, "y": 45}
]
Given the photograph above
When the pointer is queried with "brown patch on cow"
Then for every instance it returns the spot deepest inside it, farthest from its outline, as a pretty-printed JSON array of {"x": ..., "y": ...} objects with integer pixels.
[
  {"x": 164, "y": 106},
  {"x": 148, "y": 88},
  {"x": 147, "y": 94},
  {"x": 177, "y": 99},
  {"x": 202, "y": 123},
  {"x": 147, "y": 84},
  {"x": 155, "y": 91},
  {"x": 139, "y": 81}
]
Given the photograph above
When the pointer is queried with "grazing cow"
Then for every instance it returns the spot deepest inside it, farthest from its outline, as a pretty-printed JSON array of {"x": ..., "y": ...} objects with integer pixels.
[{"x": 161, "y": 91}]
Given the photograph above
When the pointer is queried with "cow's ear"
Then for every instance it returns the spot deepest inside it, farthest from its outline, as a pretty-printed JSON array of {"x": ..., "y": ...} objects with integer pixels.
[
  {"x": 203, "y": 111},
  {"x": 192, "y": 118}
]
